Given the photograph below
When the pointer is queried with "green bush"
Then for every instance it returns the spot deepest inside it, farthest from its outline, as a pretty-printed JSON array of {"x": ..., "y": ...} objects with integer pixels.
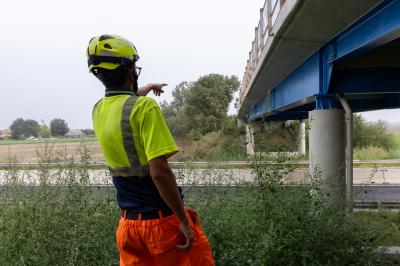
[
  {"x": 277, "y": 138},
  {"x": 194, "y": 135},
  {"x": 375, "y": 153},
  {"x": 299, "y": 227},
  {"x": 371, "y": 134},
  {"x": 231, "y": 221},
  {"x": 72, "y": 224},
  {"x": 229, "y": 126},
  {"x": 217, "y": 146},
  {"x": 54, "y": 217},
  {"x": 64, "y": 221}
]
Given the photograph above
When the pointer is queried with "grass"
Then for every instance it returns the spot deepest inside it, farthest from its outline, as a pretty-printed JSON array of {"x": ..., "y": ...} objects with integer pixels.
[
  {"x": 378, "y": 153},
  {"x": 215, "y": 146},
  {"x": 390, "y": 220},
  {"x": 56, "y": 226},
  {"x": 374, "y": 153},
  {"x": 76, "y": 226},
  {"x": 61, "y": 220},
  {"x": 51, "y": 140}
]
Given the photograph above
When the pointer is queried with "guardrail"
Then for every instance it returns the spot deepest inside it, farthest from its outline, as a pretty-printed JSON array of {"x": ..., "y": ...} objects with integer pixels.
[
  {"x": 204, "y": 164},
  {"x": 268, "y": 15}
]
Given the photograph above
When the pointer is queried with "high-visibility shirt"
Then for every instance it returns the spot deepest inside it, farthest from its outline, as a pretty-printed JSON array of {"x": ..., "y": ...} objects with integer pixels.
[
  {"x": 131, "y": 131},
  {"x": 131, "y": 128}
]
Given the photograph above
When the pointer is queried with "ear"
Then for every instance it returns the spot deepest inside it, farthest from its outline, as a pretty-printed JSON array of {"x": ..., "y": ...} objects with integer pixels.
[
  {"x": 133, "y": 79},
  {"x": 131, "y": 76}
]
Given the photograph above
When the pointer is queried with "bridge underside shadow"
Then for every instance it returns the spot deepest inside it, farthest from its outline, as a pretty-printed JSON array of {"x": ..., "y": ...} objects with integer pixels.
[{"x": 369, "y": 80}]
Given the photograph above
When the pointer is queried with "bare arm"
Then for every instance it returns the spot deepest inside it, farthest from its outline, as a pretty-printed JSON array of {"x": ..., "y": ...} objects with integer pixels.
[
  {"x": 166, "y": 185},
  {"x": 157, "y": 89}
]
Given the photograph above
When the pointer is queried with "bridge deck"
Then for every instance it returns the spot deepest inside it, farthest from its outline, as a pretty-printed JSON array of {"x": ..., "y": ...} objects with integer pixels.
[{"x": 310, "y": 50}]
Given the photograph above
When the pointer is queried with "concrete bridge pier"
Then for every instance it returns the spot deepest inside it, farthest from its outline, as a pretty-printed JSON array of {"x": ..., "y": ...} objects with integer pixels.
[
  {"x": 302, "y": 138},
  {"x": 250, "y": 144},
  {"x": 327, "y": 152},
  {"x": 250, "y": 140}
]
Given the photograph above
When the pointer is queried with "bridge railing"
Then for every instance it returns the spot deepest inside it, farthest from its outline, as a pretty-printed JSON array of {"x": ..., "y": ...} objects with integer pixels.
[{"x": 268, "y": 15}]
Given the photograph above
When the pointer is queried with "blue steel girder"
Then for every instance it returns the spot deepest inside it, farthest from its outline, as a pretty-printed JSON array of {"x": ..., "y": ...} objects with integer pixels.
[
  {"x": 303, "y": 82},
  {"x": 326, "y": 56},
  {"x": 378, "y": 27},
  {"x": 316, "y": 79}
]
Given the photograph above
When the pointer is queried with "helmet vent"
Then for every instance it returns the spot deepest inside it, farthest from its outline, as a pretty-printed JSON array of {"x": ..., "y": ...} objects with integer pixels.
[
  {"x": 107, "y": 46},
  {"x": 105, "y": 37}
]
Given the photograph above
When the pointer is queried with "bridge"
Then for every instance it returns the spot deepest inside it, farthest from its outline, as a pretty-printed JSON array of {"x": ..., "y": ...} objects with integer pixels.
[{"x": 322, "y": 61}]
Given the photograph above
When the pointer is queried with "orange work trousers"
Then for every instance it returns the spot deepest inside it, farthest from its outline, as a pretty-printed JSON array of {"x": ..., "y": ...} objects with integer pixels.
[{"x": 153, "y": 242}]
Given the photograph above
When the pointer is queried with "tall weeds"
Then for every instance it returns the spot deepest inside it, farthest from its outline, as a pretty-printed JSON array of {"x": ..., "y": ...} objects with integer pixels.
[
  {"x": 300, "y": 228},
  {"x": 50, "y": 216},
  {"x": 62, "y": 213}
]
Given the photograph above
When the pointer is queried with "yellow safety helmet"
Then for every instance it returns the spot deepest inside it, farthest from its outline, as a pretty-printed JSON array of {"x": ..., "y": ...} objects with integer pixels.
[{"x": 110, "y": 51}]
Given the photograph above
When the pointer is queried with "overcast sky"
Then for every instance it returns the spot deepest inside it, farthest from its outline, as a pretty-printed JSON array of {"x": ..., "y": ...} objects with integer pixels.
[{"x": 43, "y": 68}]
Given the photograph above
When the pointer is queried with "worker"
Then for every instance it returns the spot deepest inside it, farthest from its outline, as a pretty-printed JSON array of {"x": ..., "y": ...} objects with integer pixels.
[{"x": 155, "y": 228}]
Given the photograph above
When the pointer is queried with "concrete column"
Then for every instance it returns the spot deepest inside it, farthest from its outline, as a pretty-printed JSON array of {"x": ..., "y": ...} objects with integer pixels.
[
  {"x": 302, "y": 137},
  {"x": 250, "y": 140},
  {"x": 327, "y": 152},
  {"x": 240, "y": 122}
]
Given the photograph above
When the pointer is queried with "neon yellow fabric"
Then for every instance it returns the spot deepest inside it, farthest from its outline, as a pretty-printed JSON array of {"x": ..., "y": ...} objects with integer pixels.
[{"x": 151, "y": 134}]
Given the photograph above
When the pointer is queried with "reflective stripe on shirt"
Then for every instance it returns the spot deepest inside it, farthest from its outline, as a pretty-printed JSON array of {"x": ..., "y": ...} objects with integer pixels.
[{"x": 135, "y": 168}]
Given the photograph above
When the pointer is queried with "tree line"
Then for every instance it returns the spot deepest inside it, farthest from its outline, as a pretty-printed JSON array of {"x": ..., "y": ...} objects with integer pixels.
[
  {"x": 371, "y": 134},
  {"x": 23, "y": 129},
  {"x": 200, "y": 107}
]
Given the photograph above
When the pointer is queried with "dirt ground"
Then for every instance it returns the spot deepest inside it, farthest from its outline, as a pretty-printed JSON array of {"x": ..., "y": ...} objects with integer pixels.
[{"x": 29, "y": 153}]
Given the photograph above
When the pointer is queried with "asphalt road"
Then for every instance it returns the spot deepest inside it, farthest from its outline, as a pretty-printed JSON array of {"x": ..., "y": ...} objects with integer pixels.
[{"x": 377, "y": 195}]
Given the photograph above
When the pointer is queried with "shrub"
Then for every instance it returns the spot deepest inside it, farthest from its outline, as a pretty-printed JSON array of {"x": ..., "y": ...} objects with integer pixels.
[
  {"x": 54, "y": 217},
  {"x": 60, "y": 220},
  {"x": 216, "y": 146},
  {"x": 375, "y": 153},
  {"x": 277, "y": 138},
  {"x": 371, "y": 134},
  {"x": 194, "y": 134},
  {"x": 229, "y": 126},
  {"x": 300, "y": 228}
]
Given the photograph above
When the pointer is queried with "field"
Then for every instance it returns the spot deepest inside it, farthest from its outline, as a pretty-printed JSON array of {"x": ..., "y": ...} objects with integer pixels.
[
  {"x": 28, "y": 150},
  {"x": 52, "y": 140}
]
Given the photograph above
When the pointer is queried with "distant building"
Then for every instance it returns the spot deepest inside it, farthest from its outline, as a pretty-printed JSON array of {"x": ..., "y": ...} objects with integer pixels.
[
  {"x": 5, "y": 134},
  {"x": 74, "y": 133}
]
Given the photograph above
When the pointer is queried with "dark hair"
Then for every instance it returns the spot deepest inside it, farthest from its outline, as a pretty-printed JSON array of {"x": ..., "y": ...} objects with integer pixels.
[{"x": 111, "y": 78}]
